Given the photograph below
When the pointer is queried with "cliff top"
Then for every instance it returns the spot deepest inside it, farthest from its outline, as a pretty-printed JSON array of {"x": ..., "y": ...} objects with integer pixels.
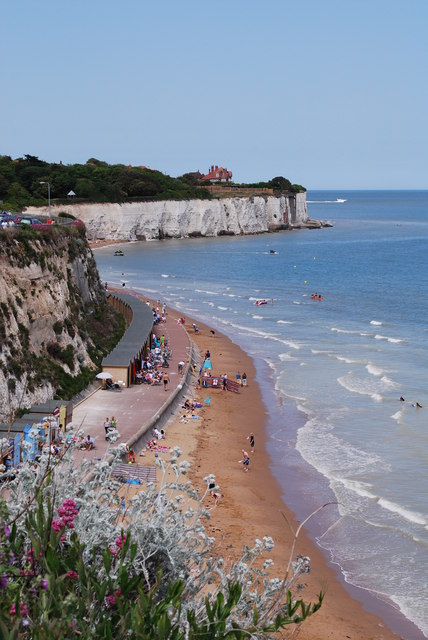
[{"x": 29, "y": 181}]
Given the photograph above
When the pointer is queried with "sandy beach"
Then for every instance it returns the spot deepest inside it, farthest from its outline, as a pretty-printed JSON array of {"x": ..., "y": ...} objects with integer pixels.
[{"x": 252, "y": 506}]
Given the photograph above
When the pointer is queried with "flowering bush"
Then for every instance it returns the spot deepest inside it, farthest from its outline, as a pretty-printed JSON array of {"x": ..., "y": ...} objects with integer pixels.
[{"x": 73, "y": 563}]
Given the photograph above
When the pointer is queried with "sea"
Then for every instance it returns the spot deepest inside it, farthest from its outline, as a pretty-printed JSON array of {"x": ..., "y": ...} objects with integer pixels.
[{"x": 332, "y": 371}]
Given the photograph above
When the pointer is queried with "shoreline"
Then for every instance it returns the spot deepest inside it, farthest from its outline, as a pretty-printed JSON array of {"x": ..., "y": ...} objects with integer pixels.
[
  {"x": 255, "y": 498},
  {"x": 383, "y": 612}
]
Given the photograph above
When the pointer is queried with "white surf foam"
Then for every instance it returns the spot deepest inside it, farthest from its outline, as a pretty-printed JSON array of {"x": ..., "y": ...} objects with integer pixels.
[
  {"x": 412, "y": 516},
  {"x": 338, "y": 201},
  {"x": 388, "y": 383},
  {"x": 335, "y": 458},
  {"x": 392, "y": 340},
  {"x": 346, "y": 360},
  {"x": 361, "y": 386},
  {"x": 337, "y": 330},
  {"x": 373, "y": 370},
  {"x": 285, "y": 322},
  {"x": 376, "y": 323},
  {"x": 285, "y": 357},
  {"x": 210, "y": 293},
  {"x": 360, "y": 488},
  {"x": 164, "y": 275},
  {"x": 221, "y": 308},
  {"x": 257, "y": 317}
]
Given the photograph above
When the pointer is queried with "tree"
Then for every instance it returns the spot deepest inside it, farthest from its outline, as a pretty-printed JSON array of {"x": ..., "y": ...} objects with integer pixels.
[
  {"x": 4, "y": 185},
  {"x": 85, "y": 188},
  {"x": 281, "y": 184}
]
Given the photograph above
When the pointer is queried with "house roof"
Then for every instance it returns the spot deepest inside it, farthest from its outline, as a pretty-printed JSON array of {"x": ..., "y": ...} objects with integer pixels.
[{"x": 217, "y": 173}]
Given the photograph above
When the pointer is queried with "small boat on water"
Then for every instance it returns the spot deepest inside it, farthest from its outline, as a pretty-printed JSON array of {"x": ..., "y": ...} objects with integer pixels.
[
  {"x": 340, "y": 200},
  {"x": 272, "y": 251},
  {"x": 119, "y": 253}
]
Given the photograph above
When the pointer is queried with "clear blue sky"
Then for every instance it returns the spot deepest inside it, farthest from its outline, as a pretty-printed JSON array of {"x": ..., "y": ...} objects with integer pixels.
[{"x": 328, "y": 93}]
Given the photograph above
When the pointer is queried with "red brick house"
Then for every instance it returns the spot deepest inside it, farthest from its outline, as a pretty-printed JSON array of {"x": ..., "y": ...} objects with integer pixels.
[{"x": 217, "y": 174}]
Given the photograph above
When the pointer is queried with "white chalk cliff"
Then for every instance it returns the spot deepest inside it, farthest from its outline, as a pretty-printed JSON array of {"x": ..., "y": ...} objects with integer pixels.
[{"x": 184, "y": 218}]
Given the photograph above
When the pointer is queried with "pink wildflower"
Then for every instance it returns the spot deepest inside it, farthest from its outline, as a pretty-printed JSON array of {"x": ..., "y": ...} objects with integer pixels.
[
  {"x": 110, "y": 600},
  {"x": 71, "y": 574},
  {"x": 23, "y": 609},
  {"x": 57, "y": 525},
  {"x": 120, "y": 540}
]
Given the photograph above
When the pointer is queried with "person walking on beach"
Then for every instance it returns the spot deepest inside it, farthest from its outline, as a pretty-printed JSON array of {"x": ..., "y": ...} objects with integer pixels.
[
  {"x": 224, "y": 381},
  {"x": 165, "y": 379},
  {"x": 244, "y": 379},
  {"x": 245, "y": 460},
  {"x": 252, "y": 441}
]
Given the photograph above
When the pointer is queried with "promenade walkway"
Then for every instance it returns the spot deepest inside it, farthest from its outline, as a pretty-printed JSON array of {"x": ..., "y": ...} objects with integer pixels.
[{"x": 133, "y": 407}]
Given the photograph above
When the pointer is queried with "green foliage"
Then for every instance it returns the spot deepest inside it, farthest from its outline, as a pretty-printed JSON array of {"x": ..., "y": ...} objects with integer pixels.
[
  {"x": 65, "y": 214},
  {"x": 280, "y": 183},
  {"x": 95, "y": 181},
  {"x": 297, "y": 188},
  {"x": 51, "y": 590}
]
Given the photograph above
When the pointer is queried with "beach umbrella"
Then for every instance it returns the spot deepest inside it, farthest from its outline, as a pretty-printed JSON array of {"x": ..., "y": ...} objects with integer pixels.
[
  {"x": 207, "y": 364},
  {"x": 104, "y": 375}
]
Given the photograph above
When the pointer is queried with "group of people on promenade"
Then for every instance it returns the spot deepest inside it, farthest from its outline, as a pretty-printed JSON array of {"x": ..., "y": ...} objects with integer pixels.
[{"x": 151, "y": 368}]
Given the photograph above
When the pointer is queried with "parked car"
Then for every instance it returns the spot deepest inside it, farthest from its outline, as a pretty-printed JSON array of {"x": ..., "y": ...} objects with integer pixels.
[{"x": 26, "y": 220}]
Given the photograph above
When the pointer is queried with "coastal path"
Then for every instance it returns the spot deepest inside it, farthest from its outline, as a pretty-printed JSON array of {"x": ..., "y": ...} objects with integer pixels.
[{"x": 133, "y": 407}]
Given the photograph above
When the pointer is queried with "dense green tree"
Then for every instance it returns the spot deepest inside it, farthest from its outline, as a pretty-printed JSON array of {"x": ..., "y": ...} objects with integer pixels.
[
  {"x": 4, "y": 185},
  {"x": 280, "y": 183},
  {"x": 97, "y": 181}
]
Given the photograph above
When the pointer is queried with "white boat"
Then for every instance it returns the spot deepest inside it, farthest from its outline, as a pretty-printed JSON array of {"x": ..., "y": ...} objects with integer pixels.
[{"x": 340, "y": 200}]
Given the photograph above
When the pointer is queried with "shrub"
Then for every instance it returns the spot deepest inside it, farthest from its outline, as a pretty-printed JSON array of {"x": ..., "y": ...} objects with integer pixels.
[
  {"x": 65, "y": 214},
  {"x": 54, "y": 349},
  {"x": 74, "y": 565},
  {"x": 57, "y": 327}
]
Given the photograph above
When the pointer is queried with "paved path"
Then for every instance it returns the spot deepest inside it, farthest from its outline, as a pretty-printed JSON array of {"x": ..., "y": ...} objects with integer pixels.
[{"x": 135, "y": 406}]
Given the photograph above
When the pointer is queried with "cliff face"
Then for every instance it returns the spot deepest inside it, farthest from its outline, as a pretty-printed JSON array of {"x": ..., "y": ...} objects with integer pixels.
[
  {"x": 52, "y": 310},
  {"x": 177, "y": 219}
]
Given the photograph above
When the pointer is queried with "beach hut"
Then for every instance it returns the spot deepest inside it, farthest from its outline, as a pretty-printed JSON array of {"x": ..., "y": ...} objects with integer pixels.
[
  {"x": 62, "y": 410},
  {"x": 35, "y": 436},
  {"x": 10, "y": 454}
]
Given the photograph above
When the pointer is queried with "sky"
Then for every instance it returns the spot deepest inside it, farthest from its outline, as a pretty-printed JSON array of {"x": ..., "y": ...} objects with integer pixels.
[{"x": 327, "y": 93}]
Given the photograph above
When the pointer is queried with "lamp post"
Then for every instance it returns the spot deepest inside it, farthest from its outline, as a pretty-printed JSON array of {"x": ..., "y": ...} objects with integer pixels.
[{"x": 49, "y": 196}]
